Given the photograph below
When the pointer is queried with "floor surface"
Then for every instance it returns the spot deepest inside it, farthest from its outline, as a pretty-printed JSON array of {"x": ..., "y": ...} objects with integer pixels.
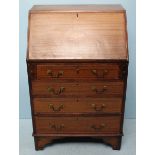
[{"x": 77, "y": 148}]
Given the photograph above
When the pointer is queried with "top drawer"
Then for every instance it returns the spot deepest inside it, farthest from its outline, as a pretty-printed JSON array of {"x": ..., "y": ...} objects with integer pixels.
[{"x": 67, "y": 71}]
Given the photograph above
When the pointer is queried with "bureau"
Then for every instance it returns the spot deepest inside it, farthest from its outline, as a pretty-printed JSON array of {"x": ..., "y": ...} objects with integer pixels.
[{"x": 77, "y": 63}]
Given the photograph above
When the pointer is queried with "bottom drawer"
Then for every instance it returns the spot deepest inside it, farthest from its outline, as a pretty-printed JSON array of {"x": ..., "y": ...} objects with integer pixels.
[{"x": 106, "y": 124}]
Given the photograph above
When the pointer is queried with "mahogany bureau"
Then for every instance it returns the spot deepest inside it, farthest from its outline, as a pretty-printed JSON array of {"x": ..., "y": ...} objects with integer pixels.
[{"x": 77, "y": 63}]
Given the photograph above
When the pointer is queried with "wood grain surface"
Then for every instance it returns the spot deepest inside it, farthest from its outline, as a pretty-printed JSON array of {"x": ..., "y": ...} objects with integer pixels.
[
  {"x": 77, "y": 105},
  {"x": 77, "y": 8},
  {"x": 77, "y": 36},
  {"x": 78, "y": 124},
  {"x": 101, "y": 89},
  {"x": 77, "y": 71},
  {"x": 77, "y": 63}
]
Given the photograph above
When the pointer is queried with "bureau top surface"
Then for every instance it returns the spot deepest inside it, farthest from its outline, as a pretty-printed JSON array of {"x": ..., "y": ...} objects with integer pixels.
[
  {"x": 77, "y": 8},
  {"x": 89, "y": 32}
]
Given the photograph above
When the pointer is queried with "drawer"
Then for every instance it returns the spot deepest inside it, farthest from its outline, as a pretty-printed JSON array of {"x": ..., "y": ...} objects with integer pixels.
[
  {"x": 77, "y": 89},
  {"x": 77, "y": 71},
  {"x": 107, "y": 124},
  {"x": 81, "y": 105}
]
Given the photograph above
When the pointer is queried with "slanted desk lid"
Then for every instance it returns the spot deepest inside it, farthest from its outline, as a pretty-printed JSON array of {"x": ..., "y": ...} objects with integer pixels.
[{"x": 77, "y": 32}]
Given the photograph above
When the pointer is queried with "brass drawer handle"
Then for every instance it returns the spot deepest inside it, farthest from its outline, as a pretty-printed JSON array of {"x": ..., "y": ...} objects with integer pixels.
[
  {"x": 56, "y": 127},
  {"x": 59, "y": 108},
  {"x": 50, "y": 73},
  {"x": 98, "y": 108},
  {"x": 104, "y": 72},
  {"x": 99, "y": 91},
  {"x": 58, "y": 92},
  {"x": 98, "y": 128}
]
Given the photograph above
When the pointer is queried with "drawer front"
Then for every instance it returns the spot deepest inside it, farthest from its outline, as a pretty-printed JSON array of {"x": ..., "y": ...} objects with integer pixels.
[
  {"x": 68, "y": 71},
  {"x": 79, "y": 89},
  {"x": 82, "y": 105},
  {"x": 107, "y": 124}
]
